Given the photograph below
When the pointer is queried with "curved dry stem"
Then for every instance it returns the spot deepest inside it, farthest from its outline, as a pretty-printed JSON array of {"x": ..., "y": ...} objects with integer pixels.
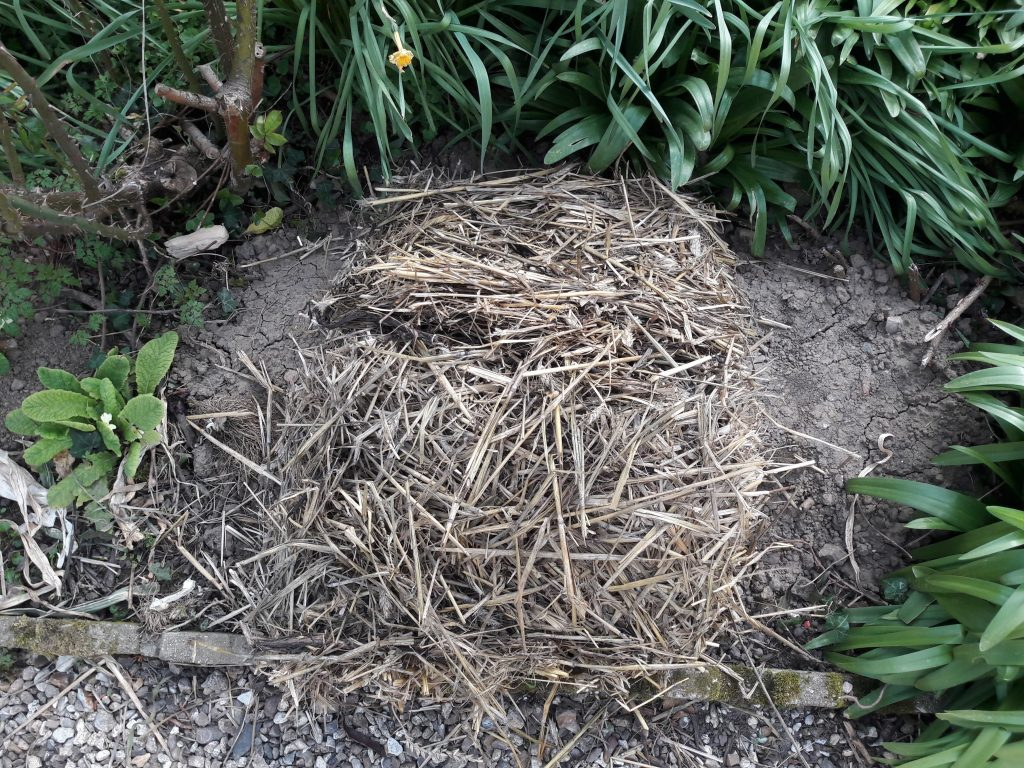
[{"x": 53, "y": 124}]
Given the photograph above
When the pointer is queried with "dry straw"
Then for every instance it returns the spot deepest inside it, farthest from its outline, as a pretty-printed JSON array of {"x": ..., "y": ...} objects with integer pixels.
[{"x": 527, "y": 450}]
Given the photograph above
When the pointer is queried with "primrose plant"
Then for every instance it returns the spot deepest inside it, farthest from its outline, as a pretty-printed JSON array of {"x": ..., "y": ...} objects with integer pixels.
[{"x": 97, "y": 427}]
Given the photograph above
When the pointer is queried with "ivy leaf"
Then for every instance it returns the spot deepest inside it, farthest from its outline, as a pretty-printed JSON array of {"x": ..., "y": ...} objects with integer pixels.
[
  {"x": 272, "y": 121},
  {"x": 99, "y": 516},
  {"x": 154, "y": 361},
  {"x": 56, "y": 405},
  {"x": 160, "y": 572}
]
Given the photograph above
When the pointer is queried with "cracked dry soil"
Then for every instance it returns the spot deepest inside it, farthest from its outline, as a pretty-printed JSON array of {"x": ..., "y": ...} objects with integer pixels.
[{"x": 846, "y": 371}]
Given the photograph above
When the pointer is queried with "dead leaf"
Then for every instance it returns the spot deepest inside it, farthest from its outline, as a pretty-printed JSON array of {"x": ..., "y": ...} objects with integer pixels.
[{"x": 18, "y": 485}]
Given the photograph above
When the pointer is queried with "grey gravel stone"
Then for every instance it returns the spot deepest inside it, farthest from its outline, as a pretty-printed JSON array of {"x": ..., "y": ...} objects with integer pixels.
[
  {"x": 209, "y": 734},
  {"x": 104, "y": 721},
  {"x": 243, "y": 743},
  {"x": 88, "y": 728}
]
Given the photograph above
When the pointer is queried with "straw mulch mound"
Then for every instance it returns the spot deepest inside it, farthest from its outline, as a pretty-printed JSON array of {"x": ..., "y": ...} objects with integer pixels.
[{"x": 528, "y": 449}]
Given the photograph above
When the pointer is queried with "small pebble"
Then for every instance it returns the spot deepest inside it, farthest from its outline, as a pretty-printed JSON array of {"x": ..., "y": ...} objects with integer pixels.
[
  {"x": 893, "y": 325},
  {"x": 567, "y": 719}
]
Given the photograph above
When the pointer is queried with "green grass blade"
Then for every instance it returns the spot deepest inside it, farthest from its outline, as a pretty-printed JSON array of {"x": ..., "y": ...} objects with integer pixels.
[{"x": 957, "y": 509}]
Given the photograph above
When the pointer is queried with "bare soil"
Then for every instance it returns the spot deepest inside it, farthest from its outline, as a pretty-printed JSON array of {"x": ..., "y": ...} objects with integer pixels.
[{"x": 840, "y": 363}]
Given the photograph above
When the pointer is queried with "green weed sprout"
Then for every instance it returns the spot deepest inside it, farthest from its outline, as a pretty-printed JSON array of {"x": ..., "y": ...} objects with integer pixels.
[{"x": 98, "y": 425}]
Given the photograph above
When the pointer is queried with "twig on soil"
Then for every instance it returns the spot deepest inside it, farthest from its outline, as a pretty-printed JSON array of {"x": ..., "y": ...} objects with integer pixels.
[
  {"x": 864, "y": 757},
  {"x": 305, "y": 249},
  {"x": 541, "y": 743},
  {"x": 806, "y": 226},
  {"x": 557, "y": 758},
  {"x": 812, "y": 273},
  {"x": 813, "y": 439},
  {"x": 129, "y": 690},
  {"x": 914, "y": 283},
  {"x": 851, "y": 515},
  {"x": 934, "y": 337}
]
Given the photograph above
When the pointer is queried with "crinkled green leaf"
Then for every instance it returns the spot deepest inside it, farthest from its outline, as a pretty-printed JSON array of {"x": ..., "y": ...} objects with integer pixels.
[
  {"x": 44, "y": 450},
  {"x": 144, "y": 412},
  {"x": 55, "y": 378},
  {"x": 154, "y": 361},
  {"x": 57, "y": 405},
  {"x": 20, "y": 424},
  {"x": 116, "y": 369},
  {"x": 132, "y": 459},
  {"x": 94, "y": 468}
]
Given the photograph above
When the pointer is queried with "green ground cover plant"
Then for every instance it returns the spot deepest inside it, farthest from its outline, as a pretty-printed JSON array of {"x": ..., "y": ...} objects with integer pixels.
[
  {"x": 954, "y": 622},
  {"x": 97, "y": 427}
]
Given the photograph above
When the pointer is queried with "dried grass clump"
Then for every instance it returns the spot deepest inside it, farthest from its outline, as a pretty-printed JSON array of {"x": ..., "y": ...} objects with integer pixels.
[{"x": 528, "y": 450}]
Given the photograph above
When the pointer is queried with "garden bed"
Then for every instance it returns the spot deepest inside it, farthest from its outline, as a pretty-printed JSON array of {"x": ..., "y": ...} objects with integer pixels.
[{"x": 833, "y": 340}]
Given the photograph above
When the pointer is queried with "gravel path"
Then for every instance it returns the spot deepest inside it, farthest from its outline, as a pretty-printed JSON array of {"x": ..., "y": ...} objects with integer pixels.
[{"x": 70, "y": 714}]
